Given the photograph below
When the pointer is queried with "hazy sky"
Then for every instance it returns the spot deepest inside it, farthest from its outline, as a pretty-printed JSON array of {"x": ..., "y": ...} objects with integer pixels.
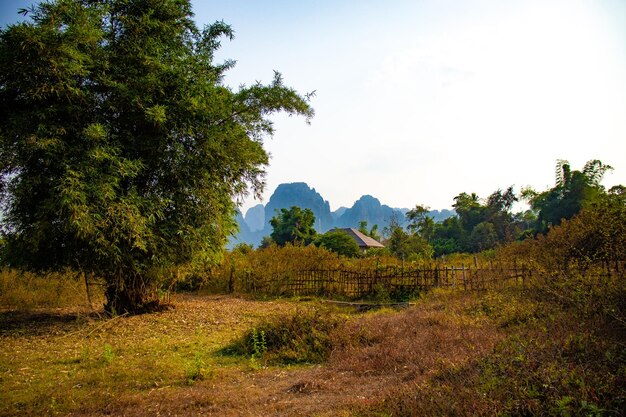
[{"x": 417, "y": 101}]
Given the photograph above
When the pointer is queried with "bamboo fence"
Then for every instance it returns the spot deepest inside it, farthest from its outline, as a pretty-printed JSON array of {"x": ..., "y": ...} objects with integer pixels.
[{"x": 395, "y": 280}]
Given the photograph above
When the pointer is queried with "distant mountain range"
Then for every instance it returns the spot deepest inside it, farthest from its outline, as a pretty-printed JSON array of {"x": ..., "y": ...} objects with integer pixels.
[{"x": 254, "y": 225}]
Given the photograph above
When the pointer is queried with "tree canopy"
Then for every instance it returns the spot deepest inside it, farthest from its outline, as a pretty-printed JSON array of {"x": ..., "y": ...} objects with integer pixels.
[
  {"x": 121, "y": 150},
  {"x": 293, "y": 226},
  {"x": 573, "y": 191},
  {"x": 479, "y": 224},
  {"x": 407, "y": 245},
  {"x": 372, "y": 232},
  {"x": 338, "y": 241},
  {"x": 483, "y": 224}
]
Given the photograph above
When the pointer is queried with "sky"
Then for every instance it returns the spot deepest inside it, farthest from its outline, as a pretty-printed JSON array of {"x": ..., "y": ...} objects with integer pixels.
[{"x": 418, "y": 101}]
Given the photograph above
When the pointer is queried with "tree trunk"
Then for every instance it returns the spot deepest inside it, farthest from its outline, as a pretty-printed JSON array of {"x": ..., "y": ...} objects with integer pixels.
[{"x": 130, "y": 297}]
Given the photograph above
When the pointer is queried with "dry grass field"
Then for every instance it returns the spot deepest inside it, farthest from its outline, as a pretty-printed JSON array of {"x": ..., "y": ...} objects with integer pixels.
[
  {"x": 474, "y": 353},
  {"x": 71, "y": 362}
]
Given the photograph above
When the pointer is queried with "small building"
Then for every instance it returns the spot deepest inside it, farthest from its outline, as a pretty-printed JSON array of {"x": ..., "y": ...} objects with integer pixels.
[{"x": 364, "y": 242}]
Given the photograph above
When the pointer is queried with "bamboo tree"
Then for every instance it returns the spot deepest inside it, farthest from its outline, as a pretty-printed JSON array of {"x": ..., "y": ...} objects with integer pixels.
[{"x": 121, "y": 150}]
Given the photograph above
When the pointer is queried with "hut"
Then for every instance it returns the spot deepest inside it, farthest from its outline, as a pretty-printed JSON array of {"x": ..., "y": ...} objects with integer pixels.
[{"x": 365, "y": 242}]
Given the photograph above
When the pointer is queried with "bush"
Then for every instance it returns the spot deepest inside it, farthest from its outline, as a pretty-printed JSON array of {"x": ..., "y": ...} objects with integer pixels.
[
  {"x": 301, "y": 337},
  {"x": 580, "y": 263},
  {"x": 508, "y": 308}
]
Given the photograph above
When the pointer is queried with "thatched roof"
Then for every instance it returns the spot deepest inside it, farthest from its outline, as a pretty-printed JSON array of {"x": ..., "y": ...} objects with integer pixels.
[{"x": 364, "y": 242}]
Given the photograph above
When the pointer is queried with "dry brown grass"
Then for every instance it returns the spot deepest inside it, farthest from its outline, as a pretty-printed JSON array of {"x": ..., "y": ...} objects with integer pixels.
[
  {"x": 451, "y": 354},
  {"x": 25, "y": 291},
  {"x": 63, "y": 362}
]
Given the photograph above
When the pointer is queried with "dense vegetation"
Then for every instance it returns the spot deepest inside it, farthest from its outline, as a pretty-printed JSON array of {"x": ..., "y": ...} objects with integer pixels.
[
  {"x": 121, "y": 151},
  {"x": 486, "y": 224},
  {"x": 479, "y": 225}
]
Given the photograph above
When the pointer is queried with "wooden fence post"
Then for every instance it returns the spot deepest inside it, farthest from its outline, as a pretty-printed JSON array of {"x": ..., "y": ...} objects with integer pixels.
[
  {"x": 464, "y": 284},
  {"x": 453, "y": 277}
]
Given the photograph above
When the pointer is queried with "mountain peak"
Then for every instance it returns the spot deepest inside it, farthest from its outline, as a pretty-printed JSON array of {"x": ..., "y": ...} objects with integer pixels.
[
  {"x": 366, "y": 208},
  {"x": 301, "y": 195},
  {"x": 368, "y": 199}
]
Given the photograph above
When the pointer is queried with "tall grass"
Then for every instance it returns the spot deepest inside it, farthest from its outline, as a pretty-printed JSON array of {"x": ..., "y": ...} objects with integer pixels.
[
  {"x": 266, "y": 270},
  {"x": 263, "y": 270},
  {"x": 20, "y": 290}
]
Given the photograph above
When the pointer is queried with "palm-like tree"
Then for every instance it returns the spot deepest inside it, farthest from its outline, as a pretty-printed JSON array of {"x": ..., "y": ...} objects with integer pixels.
[{"x": 572, "y": 191}]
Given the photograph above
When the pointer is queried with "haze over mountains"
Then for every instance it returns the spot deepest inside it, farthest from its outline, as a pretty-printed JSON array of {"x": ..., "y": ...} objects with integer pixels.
[{"x": 254, "y": 225}]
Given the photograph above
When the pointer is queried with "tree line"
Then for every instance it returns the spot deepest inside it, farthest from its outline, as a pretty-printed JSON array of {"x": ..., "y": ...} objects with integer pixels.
[{"x": 480, "y": 224}]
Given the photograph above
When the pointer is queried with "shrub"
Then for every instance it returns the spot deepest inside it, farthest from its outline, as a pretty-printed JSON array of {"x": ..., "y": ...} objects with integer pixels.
[
  {"x": 580, "y": 263},
  {"x": 508, "y": 308},
  {"x": 301, "y": 337}
]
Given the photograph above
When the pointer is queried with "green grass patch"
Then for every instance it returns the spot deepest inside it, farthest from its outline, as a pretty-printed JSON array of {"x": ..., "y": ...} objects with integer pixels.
[{"x": 57, "y": 363}]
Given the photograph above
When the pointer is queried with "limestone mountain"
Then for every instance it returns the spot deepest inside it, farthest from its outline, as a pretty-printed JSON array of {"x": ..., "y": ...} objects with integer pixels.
[
  {"x": 255, "y": 217},
  {"x": 337, "y": 213},
  {"x": 299, "y": 194},
  {"x": 369, "y": 209},
  {"x": 255, "y": 224},
  {"x": 245, "y": 235}
]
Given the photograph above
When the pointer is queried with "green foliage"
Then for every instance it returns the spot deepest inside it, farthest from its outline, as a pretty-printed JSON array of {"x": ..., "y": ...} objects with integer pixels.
[
  {"x": 481, "y": 225},
  {"x": 486, "y": 224},
  {"x": 420, "y": 223},
  {"x": 122, "y": 151},
  {"x": 107, "y": 354},
  {"x": 259, "y": 344},
  {"x": 572, "y": 192},
  {"x": 373, "y": 232},
  {"x": 483, "y": 237},
  {"x": 266, "y": 242},
  {"x": 243, "y": 248},
  {"x": 498, "y": 213},
  {"x": 407, "y": 246},
  {"x": 338, "y": 241},
  {"x": 478, "y": 226},
  {"x": 196, "y": 369},
  {"x": 301, "y": 337},
  {"x": 449, "y": 237},
  {"x": 469, "y": 210},
  {"x": 293, "y": 225}
]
